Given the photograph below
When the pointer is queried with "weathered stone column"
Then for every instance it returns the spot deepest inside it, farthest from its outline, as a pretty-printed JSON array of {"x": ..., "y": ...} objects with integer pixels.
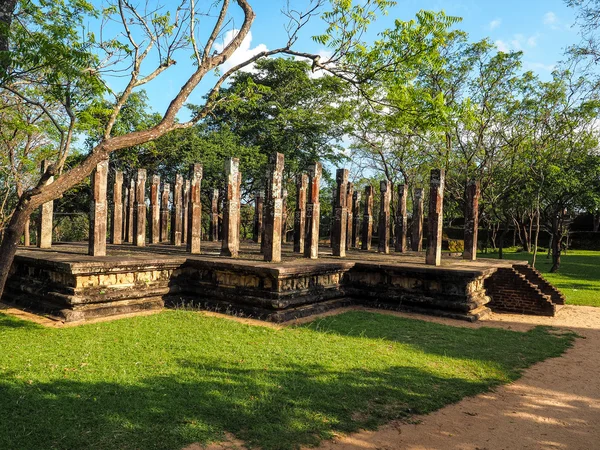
[
  {"x": 384, "y": 217},
  {"x": 231, "y": 210},
  {"x": 274, "y": 208},
  {"x": 214, "y": 216},
  {"x": 471, "y": 221},
  {"x": 313, "y": 211},
  {"x": 340, "y": 227},
  {"x": 284, "y": 215},
  {"x": 350, "y": 214},
  {"x": 164, "y": 212},
  {"x": 300, "y": 213},
  {"x": 26, "y": 234},
  {"x": 356, "y": 219},
  {"x": 417, "y": 222},
  {"x": 401, "y": 219},
  {"x": 435, "y": 219},
  {"x": 46, "y": 215},
  {"x": 176, "y": 213},
  {"x": 367, "y": 225},
  {"x": 131, "y": 212},
  {"x": 116, "y": 235},
  {"x": 140, "y": 209},
  {"x": 155, "y": 210},
  {"x": 98, "y": 210},
  {"x": 125, "y": 226},
  {"x": 184, "y": 211},
  {"x": 194, "y": 228},
  {"x": 332, "y": 221},
  {"x": 257, "y": 230}
]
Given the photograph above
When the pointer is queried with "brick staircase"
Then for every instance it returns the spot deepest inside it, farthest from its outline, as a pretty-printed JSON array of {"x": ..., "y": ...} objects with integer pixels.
[{"x": 521, "y": 289}]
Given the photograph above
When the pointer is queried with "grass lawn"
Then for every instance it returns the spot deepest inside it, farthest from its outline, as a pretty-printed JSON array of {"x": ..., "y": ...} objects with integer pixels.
[
  {"x": 578, "y": 277},
  {"x": 178, "y": 377}
]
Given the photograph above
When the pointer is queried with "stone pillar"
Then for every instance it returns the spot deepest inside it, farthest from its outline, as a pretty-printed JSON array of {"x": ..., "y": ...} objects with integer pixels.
[
  {"x": 313, "y": 212},
  {"x": 176, "y": 213},
  {"x": 116, "y": 235},
  {"x": 332, "y": 221},
  {"x": 340, "y": 227},
  {"x": 356, "y": 219},
  {"x": 284, "y": 215},
  {"x": 471, "y": 221},
  {"x": 401, "y": 219},
  {"x": 98, "y": 211},
  {"x": 384, "y": 217},
  {"x": 350, "y": 214},
  {"x": 140, "y": 209},
  {"x": 164, "y": 212},
  {"x": 184, "y": 211},
  {"x": 46, "y": 215},
  {"x": 155, "y": 210},
  {"x": 300, "y": 213},
  {"x": 417, "y": 222},
  {"x": 214, "y": 216},
  {"x": 259, "y": 203},
  {"x": 131, "y": 212},
  {"x": 231, "y": 210},
  {"x": 274, "y": 208},
  {"x": 194, "y": 221},
  {"x": 125, "y": 226},
  {"x": 367, "y": 225},
  {"x": 435, "y": 219},
  {"x": 26, "y": 235}
]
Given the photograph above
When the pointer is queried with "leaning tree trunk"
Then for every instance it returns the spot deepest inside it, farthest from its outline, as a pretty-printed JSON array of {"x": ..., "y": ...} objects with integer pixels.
[
  {"x": 10, "y": 240},
  {"x": 557, "y": 237}
]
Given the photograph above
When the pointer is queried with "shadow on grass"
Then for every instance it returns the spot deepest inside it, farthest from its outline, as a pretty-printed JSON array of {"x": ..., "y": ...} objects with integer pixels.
[
  {"x": 293, "y": 407},
  {"x": 10, "y": 322}
]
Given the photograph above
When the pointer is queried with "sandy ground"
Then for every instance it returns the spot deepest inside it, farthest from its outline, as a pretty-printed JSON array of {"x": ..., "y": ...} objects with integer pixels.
[{"x": 555, "y": 405}]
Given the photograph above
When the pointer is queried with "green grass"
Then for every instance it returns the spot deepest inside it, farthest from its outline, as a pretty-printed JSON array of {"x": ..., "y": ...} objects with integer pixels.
[
  {"x": 171, "y": 379},
  {"x": 578, "y": 277}
]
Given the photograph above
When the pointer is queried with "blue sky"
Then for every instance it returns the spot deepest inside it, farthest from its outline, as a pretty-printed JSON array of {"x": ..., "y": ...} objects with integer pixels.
[{"x": 542, "y": 29}]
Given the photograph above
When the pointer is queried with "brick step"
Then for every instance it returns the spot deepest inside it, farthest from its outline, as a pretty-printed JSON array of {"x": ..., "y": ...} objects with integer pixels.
[{"x": 535, "y": 277}]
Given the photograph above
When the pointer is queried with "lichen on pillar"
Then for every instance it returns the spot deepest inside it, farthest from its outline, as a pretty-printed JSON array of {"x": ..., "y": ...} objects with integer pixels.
[
  {"x": 435, "y": 219},
  {"x": 176, "y": 213},
  {"x": 471, "y": 220},
  {"x": 231, "y": 209},
  {"x": 155, "y": 210},
  {"x": 417, "y": 222},
  {"x": 273, "y": 208},
  {"x": 350, "y": 214},
  {"x": 367, "y": 224},
  {"x": 300, "y": 213},
  {"x": 194, "y": 220},
  {"x": 164, "y": 212},
  {"x": 313, "y": 211},
  {"x": 98, "y": 210},
  {"x": 356, "y": 219},
  {"x": 116, "y": 234},
  {"x": 401, "y": 218},
  {"x": 46, "y": 215},
  {"x": 384, "y": 217},
  {"x": 214, "y": 216},
  {"x": 340, "y": 227}
]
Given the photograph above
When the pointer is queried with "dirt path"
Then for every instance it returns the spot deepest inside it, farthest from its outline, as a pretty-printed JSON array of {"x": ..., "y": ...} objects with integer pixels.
[{"x": 555, "y": 405}]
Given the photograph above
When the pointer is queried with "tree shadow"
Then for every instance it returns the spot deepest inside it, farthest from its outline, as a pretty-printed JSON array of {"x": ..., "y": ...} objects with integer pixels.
[
  {"x": 286, "y": 409},
  {"x": 8, "y": 322}
]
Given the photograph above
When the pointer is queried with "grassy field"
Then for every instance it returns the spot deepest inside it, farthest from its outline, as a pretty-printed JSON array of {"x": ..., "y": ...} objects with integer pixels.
[
  {"x": 578, "y": 277},
  {"x": 178, "y": 377}
]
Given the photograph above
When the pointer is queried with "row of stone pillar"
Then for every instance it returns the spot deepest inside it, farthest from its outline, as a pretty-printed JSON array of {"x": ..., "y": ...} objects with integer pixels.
[
  {"x": 346, "y": 212},
  {"x": 129, "y": 213}
]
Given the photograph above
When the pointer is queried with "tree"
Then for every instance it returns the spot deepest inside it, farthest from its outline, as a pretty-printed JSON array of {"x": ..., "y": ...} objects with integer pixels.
[{"x": 48, "y": 56}]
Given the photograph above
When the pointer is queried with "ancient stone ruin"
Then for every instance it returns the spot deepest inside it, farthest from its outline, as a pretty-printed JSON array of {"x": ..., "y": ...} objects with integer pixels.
[{"x": 145, "y": 266}]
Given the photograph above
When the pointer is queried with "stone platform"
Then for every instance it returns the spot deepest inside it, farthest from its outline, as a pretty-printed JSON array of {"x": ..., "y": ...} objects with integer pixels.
[{"x": 68, "y": 284}]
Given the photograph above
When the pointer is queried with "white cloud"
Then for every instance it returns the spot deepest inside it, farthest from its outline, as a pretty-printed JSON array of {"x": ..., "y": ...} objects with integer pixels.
[
  {"x": 538, "y": 67},
  {"x": 495, "y": 24},
  {"x": 550, "y": 18},
  {"x": 502, "y": 46},
  {"x": 532, "y": 41},
  {"x": 243, "y": 53}
]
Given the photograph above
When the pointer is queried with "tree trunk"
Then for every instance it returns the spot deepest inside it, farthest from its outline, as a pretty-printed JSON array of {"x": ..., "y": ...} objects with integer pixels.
[
  {"x": 596, "y": 223},
  {"x": 557, "y": 236},
  {"x": 10, "y": 241}
]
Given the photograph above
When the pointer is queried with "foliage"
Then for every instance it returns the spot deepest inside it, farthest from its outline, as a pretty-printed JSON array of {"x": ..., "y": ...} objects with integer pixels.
[{"x": 187, "y": 377}]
